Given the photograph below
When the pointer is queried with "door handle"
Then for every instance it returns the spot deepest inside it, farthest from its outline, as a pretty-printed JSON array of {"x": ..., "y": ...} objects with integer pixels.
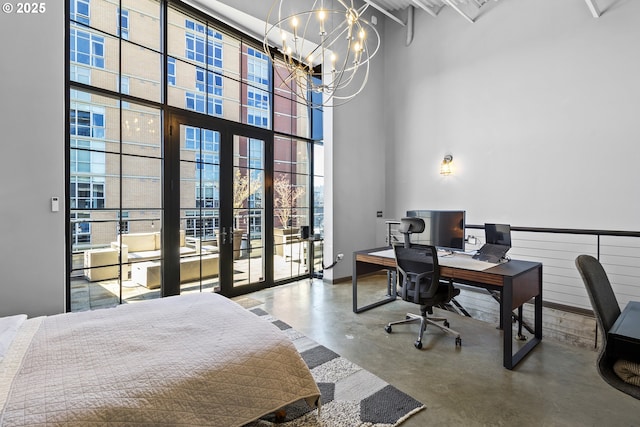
[{"x": 224, "y": 235}]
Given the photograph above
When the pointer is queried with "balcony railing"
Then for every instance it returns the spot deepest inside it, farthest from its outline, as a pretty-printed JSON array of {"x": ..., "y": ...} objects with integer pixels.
[{"x": 557, "y": 249}]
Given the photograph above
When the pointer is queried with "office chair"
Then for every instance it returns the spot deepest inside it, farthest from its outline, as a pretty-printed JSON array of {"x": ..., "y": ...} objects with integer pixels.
[
  {"x": 605, "y": 307},
  {"x": 419, "y": 283}
]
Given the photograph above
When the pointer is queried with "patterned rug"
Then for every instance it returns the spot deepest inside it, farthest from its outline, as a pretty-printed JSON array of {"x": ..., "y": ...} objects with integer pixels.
[{"x": 351, "y": 395}]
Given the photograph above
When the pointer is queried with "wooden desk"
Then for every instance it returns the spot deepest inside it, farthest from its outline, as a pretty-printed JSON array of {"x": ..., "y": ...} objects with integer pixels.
[
  {"x": 517, "y": 282},
  {"x": 624, "y": 336}
]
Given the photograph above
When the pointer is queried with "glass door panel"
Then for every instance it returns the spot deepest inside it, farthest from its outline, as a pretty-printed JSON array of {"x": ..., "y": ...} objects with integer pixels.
[
  {"x": 139, "y": 241},
  {"x": 115, "y": 198},
  {"x": 248, "y": 236},
  {"x": 199, "y": 209},
  {"x": 291, "y": 211}
]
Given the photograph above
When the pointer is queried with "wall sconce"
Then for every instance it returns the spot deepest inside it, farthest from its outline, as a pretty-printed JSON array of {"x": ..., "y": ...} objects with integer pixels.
[{"x": 446, "y": 168}]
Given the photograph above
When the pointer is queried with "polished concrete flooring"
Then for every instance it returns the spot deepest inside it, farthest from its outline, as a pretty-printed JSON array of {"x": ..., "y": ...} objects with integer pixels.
[{"x": 555, "y": 385}]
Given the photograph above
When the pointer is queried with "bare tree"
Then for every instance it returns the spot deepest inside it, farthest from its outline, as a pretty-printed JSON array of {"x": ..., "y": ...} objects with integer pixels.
[
  {"x": 285, "y": 198},
  {"x": 243, "y": 188}
]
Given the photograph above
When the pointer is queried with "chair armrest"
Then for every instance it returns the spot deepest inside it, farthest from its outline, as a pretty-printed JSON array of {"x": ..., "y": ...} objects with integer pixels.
[
  {"x": 409, "y": 277},
  {"x": 433, "y": 289}
]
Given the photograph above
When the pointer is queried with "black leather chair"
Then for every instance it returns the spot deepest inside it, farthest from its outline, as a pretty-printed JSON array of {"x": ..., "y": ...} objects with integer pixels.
[
  {"x": 419, "y": 282},
  {"x": 607, "y": 310}
]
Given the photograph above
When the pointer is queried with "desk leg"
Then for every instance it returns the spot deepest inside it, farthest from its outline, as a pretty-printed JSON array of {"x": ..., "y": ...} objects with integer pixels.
[
  {"x": 509, "y": 359},
  {"x": 501, "y": 323},
  {"x": 505, "y": 313},
  {"x": 538, "y": 309},
  {"x": 359, "y": 268}
]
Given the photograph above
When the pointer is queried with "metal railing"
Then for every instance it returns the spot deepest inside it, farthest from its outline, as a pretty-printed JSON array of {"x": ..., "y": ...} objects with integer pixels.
[{"x": 557, "y": 249}]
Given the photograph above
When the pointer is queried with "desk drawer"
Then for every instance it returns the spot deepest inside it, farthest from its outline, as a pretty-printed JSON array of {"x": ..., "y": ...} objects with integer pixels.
[{"x": 473, "y": 277}]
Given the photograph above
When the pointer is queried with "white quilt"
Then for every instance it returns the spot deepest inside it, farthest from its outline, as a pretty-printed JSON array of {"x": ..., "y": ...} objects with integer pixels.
[{"x": 191, "y": 360}]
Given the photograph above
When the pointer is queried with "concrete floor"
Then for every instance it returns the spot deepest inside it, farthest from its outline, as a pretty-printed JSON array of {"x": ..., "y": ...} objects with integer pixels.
[{"x": 555, "y": 385}]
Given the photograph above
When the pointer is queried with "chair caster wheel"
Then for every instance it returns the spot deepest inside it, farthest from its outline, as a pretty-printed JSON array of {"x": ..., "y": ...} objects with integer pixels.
[
  {"x": 458, "y": 342},
  {"x": 388, "y": 329},
  {"x": 446, "y": 324},
  {"x": 418, "y": 345}
]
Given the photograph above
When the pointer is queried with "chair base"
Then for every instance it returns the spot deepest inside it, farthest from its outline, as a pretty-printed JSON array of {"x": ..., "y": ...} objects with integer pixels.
[{"x": 424, "y": 320}]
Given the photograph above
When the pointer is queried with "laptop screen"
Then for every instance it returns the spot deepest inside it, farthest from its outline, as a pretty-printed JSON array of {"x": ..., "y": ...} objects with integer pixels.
[{"x": 498, "y": 234}]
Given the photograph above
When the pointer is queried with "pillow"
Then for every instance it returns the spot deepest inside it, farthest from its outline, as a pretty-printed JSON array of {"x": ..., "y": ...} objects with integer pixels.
[
  {"x": 8, "y": 329},
  {"x": 629, "y": 372}
]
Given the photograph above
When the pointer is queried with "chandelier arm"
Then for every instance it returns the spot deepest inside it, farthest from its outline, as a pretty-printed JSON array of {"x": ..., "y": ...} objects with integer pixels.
[
  {"x": 340, "y": 83},
  {"x": 363, "y": 8},
  {"x": 352, "y": 95},
  {"x": 306, "y": 27},
  {"x": 336, "y": 37},
  {"x": 328, "y": 47},
  {"x": 369, "y": 55},
  {"x": 351, "y": 32},
  {"x": 289, "y": 77}
]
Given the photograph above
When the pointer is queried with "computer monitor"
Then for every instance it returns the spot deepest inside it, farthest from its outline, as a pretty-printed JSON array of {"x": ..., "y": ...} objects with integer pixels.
[
  {"x": 443, "y": 229},
  {"x": 498, "y": 234}
]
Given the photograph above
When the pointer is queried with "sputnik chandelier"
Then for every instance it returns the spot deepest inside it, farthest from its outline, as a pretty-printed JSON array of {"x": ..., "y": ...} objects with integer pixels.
[{"x": 325, "y": 50}]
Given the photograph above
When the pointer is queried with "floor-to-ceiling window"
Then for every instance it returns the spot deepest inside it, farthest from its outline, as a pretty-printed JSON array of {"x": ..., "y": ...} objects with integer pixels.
[{"x": 136, "y": 69}]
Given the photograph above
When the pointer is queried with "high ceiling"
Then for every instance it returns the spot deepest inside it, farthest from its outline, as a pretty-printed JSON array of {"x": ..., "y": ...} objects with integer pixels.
[{"x": 468, "y": 9}]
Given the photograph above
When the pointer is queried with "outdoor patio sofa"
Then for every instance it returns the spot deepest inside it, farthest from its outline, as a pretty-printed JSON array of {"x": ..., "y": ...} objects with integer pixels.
[{"x": 141, "y": 253}]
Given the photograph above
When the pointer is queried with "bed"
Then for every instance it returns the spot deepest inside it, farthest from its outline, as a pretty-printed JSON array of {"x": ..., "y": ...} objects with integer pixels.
[{"x": 190, "y": 360}]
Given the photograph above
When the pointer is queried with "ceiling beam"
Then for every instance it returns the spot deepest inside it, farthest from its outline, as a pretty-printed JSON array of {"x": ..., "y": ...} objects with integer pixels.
[
  {"x": 426, "y": 8},
  {"x": 457, "y": 9},
  {"x": 385, "y": 12},
  {"x": 593, "y": 7}
]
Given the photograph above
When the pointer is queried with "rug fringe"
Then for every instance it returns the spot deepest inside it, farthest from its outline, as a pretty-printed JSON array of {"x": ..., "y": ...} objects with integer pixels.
[{"x": 409, "y": 414}]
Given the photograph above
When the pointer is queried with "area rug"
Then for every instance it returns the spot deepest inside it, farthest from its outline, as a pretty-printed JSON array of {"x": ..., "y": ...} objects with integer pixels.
[
  {"x": 247, "y": 302},
  {"x": 351, "y": 395}
]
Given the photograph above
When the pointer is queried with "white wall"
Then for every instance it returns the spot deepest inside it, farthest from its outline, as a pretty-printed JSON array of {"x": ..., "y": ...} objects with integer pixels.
[
  {"x": 32, "y": 262},
  {"x": 538, "y": 102}
]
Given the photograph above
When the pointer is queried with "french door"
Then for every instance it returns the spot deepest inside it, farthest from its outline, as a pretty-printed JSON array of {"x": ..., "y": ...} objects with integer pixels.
[{"x": 216, "y": 226}]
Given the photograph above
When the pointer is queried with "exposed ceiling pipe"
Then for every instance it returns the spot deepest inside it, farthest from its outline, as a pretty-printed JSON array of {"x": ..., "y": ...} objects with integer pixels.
[{"x": 410, "y": 27}]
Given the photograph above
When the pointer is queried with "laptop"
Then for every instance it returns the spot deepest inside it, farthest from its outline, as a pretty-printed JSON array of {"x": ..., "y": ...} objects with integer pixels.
[{"x": 498, "y": 243}]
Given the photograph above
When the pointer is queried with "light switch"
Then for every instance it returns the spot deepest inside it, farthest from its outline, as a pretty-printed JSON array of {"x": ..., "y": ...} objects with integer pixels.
[{"x": 55, "y": 204}]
